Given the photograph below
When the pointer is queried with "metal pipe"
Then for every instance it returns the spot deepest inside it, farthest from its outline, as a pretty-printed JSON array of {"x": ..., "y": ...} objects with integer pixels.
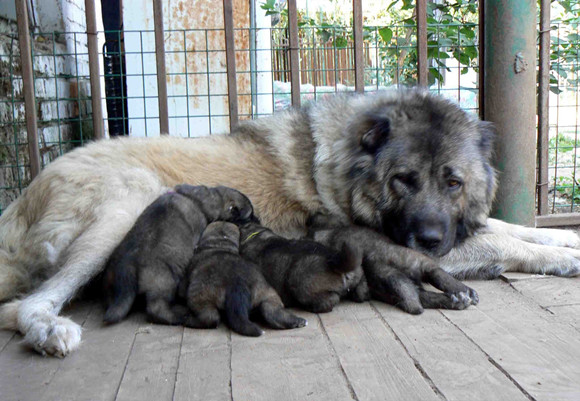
[
  {"x": 543, "y": 108},
  {"x": 481, "y": 73},
  {"x": 94, "y": 73},
  {"x": 28, "y": 87},
  {"x": 161, "y": 72},
  {"x": 510, "y": 83},
  {"x": 422, "y": 60},
  {"x": 231, "y": 63},
  {"x": 294, "y": 60},
  {"x": 359, "y": 67}
]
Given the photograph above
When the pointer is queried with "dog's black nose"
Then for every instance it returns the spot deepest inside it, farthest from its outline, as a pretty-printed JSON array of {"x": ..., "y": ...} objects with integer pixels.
[{"x": 429, "y": 237}]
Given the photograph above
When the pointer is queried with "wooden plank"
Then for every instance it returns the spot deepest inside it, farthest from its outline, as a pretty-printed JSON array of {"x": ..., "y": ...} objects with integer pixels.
[
  {"x": 567, "y": 313},
  {"x": 161, "y": 68},
  {"x": 94, "y": 72},
  {"x": 26, "y": 374},
  {"x": 287, "y": 364},
  {"x": 359, "y": 68},
  {"x": 539, "y": 352},
  {"x": 457, "y": 367},
  {"x": 152, "y": 365},
  {"x": 28, "y": 87},
  {"x": 204, "y": 366},
  {"x": 376, "y": 364},
  {"x": 294, "y": 46},
  {"x": 5, "y": 337},
  {"x": 94, "y": 371},
  {"x": 422, "y": 60},
  {"x": 231, "y": 63},
  {"x": 550, "y": 291},
  {"x": 558, "y": 220}
]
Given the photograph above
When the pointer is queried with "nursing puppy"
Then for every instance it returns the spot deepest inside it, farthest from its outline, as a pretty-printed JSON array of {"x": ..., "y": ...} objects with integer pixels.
[
  {"x": 304, "y": 272},
  {"x": 394, "y": 274},
  {"x": 221, "y": 280},
  {"x": 153, "y": 256}
]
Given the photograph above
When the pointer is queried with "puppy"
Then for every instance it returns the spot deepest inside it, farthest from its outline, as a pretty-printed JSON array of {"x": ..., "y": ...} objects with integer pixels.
[
  {"x": 220, "y": 279},
  {"x": 303, "y": 272},
  {"x": 153, "y": 256},
  {"x": 394, "y": 273}
]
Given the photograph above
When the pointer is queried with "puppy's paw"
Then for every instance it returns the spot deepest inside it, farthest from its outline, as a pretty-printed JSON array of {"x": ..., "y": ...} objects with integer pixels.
[
  {"x": 463, "y": 299},
  {"x": 52, "y": 335}
]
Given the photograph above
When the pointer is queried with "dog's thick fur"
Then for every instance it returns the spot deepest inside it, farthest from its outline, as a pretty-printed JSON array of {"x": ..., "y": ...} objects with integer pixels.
[
  {"x": 153, "y": 256},
  {"x": 303, "y": 272},
  {"x": 221, "y": 280},
  {"x": 396, "y": 157}
]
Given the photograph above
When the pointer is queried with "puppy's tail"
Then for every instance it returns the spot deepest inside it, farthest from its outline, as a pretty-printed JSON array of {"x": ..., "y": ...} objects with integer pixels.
[
  {"x": 349, "y": 259},
  {"x": 120, "y": 290},
  {"x": 238, "y": 304}
]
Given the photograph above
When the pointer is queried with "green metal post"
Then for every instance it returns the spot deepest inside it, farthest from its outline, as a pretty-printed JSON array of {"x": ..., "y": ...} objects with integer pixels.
[{"x": 510, "y": 103}]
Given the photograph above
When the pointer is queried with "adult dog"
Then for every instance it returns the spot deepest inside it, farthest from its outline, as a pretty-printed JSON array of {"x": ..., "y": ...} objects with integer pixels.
[{"x": 407, "y": 163}]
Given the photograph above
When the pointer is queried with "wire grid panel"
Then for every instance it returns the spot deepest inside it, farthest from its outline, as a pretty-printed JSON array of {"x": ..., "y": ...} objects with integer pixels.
[
  {"x": 564, "y": 144},
  {"x": 197, "y": 82}
]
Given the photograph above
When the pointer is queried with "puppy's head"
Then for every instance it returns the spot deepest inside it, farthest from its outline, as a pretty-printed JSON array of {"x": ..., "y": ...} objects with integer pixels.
[{"x": 236, "y": 207}]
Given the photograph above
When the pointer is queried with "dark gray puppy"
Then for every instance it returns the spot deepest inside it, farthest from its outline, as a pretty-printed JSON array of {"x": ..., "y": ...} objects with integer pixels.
[
  {"x": 220, "y": 279},
  {"x": 303, "y": 272},
  {"x": 394, "y": 273},
  {"x": 153, "y": 256}
]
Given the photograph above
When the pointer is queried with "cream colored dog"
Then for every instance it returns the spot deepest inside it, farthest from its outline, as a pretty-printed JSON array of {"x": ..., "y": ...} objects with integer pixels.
[{"x": 330, "y": 158}]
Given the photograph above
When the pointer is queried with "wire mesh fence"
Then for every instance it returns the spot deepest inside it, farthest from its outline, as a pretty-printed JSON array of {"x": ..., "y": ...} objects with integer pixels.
[{"x": 197, "y": 85}]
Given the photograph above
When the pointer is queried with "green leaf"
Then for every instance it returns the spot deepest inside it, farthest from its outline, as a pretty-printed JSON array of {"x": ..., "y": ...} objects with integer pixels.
[
  {"x": 386, "y": 34},
  {"x": 436, "y": 74},
  {"x": 340, "y": 42}
]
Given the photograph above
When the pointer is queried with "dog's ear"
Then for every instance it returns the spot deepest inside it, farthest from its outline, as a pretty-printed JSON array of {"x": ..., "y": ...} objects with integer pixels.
[
  {"x": 487, "y": 137},
  {"x": 376, "y": 132}
]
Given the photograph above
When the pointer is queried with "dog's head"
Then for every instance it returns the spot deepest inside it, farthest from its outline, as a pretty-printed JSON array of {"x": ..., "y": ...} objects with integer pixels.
[
  {"x": 419, "y": 170},
  {"x": 236, "y": 208}
]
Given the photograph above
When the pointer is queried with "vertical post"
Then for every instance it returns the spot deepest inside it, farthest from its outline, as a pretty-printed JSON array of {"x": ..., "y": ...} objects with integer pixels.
[
  {"x": 359, "y": 67},
  {"x": 481, "y": 74},
  {"x": 422, "y": 42},
  {"x": 95, "y": 78},
  {"x": 510, "y": 83},
  {"x": 231, "y": 63},
  {"x": 543, "y": 108},
  {"x": 28, "y": 87},
  {"x": 294, "y": 60},
  {"x": 161, "y": 72}
]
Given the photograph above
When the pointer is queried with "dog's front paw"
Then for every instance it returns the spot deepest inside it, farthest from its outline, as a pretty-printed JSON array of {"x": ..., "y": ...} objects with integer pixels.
[{"x": 52, "y": 335}]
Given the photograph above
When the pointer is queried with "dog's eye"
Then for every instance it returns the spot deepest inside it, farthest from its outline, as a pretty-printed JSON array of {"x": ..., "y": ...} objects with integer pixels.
[{"x": 453, "y": 183}]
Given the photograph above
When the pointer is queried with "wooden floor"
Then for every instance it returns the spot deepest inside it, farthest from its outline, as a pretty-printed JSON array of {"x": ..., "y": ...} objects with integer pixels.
[{"x": 522, "y": 342}]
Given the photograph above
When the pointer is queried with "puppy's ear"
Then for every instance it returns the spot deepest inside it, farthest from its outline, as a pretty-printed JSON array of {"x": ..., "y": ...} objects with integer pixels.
[{"x": 376, "y": 133}]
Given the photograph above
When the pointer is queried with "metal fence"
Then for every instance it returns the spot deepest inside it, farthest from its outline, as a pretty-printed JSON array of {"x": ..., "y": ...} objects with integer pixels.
[{"x": 212, "y": 80}]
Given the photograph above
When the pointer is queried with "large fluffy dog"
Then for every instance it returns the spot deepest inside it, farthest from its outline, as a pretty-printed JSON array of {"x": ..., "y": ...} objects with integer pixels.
[{"x": 410, "y": 164}]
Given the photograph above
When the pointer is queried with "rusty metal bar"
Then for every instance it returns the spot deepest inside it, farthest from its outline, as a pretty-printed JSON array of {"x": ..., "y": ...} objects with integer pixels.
[
  {"x": 422, "y": 42},
  {"x": 231, "y": 63},
  {"x": 359, "y": 67},
  {"x": 543, "y": 108},
  {"x": 94, "y": 73},
  {"x": 161, "y": 72},
  {"x": 510, "y": 93},
  {"x": 294, "y": 57},
  {"x": 28, "y": 87},
  {"x": 558, "y": 220},
  {"x": 481, "y": 74}
]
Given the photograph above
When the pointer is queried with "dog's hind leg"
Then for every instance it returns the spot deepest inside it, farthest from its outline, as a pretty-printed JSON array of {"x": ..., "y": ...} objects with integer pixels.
[
  {"x": 82, "y": 260},
  {"x": 203, "y": 316},
  {"x": 540, "y": 236},
  {"x": 274, "y": 313}
]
